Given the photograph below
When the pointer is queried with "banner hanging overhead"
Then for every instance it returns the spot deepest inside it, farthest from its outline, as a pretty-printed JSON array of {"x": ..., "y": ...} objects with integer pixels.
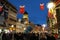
[
  {"x": 22, "y": 9},
  {"x": 42, "y": 6},
  {"x": 37, "y": 10}
]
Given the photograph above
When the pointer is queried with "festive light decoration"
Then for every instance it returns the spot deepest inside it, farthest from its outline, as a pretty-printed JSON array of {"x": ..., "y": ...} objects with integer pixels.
[
  {"x": 22, "y": 9},
  {"x": 42, "y": 6},
  {"x": 50, "y": 15},
  {"x": 50, "y": 5}
]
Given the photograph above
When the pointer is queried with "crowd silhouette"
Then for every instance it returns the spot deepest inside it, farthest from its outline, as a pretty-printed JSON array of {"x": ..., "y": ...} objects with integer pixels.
[{"x": 27, "y": 36}]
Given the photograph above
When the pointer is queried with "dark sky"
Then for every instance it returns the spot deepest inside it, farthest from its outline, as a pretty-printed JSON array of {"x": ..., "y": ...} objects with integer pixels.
[{"x": 36, "y": 15}]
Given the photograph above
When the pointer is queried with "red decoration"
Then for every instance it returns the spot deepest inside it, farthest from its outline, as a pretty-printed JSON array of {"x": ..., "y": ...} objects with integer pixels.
[
  {"x": 50, "y": 15},
  {"x": 42, "y": 6},
  {"x": 1, "y": 8},
  {"x": 22, "y": 9},
  {"x": 56, "y": 36},
  {"x": 57, "y": 2}
]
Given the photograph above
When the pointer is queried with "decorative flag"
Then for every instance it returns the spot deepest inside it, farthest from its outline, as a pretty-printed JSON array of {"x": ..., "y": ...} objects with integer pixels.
[
  {"x": 1, "y": 8},
  {"x": 22, "y": 9},
  {"x": 32, "y": 10},
  {"x": 42, "y": 6}
]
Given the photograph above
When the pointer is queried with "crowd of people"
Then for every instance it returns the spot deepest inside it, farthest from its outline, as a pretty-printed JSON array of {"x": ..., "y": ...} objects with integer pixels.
[
  {"x": 28, "y": 36},
  {"x": 23, "y": 36}
]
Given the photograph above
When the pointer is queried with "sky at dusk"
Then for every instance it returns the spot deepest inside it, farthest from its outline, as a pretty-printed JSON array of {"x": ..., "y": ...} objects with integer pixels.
[{"x": 36, "y": 15}]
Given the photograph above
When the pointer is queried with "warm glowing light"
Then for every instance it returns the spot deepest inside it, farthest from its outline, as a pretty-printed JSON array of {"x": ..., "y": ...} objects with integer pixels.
[
  {"x": 0, "y": 30},
  {"x": 50, "y": 5},
  {"x": 24, "y": 28},
  {"x": 51, "y": 11},
  {"x": 12, "y": 26},
  {"x": 19, "y": 20},
  {"x": 44, "y": 25},
  {"x": 25, "y": 16},
  {"x": 7, "y": 31},
  {"x": 43, "y": 28}
]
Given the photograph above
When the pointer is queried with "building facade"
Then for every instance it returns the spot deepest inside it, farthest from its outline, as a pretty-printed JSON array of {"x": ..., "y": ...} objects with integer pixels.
[
  {"x": 58, "y": 18},
  {"x": 12, "y": 11}
]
